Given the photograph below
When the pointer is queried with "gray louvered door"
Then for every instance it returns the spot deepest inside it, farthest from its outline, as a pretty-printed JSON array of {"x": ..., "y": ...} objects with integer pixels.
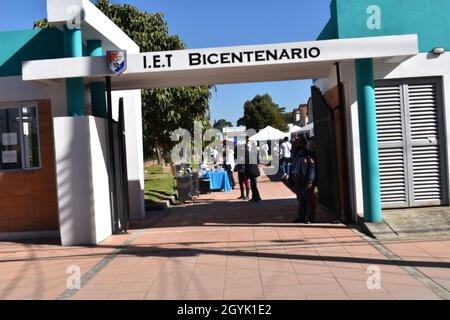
[
  {"x": 392, "y": 151},
  {"x": 425, "y": 143},
  {"x": 410, "y": 140}
]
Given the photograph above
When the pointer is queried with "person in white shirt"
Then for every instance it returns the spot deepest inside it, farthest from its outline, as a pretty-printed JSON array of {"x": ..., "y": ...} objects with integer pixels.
[
  {"x": 265, "y": 152},
  {"x": 214, "y": 155},
  {"x": 229, "y": 163},
  {"x": 286, "y": 148},
  {"x": 230, "y": 157}
]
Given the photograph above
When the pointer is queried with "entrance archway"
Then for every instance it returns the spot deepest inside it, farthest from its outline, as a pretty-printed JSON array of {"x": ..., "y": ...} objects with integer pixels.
[{"x": 262, "y": 63}]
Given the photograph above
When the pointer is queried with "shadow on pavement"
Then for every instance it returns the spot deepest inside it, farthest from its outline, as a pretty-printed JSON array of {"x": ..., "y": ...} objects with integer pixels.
[
  {"x": 155, "y": 251},
  {"x": 208, "y": 212}
]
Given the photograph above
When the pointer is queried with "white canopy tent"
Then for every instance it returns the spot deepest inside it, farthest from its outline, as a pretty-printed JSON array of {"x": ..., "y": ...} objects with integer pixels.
[
  {"x": 293, "y": 129},
  {"x": 269, "y": 134},
  {"x": 307, "y": 129}
]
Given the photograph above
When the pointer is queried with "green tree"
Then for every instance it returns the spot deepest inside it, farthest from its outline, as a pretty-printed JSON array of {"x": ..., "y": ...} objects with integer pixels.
[
  {"x": 288, "y": 117},
  {"x": 222, "y": 123},
  {"x": 41, "y": 24},
  {"x": 164, "y": 110},
  {"x": 262, "y": 112}
]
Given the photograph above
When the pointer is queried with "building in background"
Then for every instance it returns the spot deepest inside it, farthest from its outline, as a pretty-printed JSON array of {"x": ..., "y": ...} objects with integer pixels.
[
  {"x": 310, "y": 112},
  {"x": 296, "y": 116},
  {"x": 303, "y": 115},
  {"x": 235, "y": 134}
]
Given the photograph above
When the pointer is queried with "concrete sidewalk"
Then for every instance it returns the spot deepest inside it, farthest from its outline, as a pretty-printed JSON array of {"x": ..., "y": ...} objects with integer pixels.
[{"x": 221, "y": 248}]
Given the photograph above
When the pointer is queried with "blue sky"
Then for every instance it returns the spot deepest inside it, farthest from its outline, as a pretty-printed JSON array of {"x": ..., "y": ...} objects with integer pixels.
[{"x": 215, "y": 23}]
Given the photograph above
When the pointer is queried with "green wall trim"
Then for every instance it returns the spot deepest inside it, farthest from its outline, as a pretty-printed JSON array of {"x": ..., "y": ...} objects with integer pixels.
[
  {"x": 330, "y": 31},
  {"x": 430, "y": 20},
  {"x": 73, "y": 43},
  {"x": 27, "y": 45},
  {"x": 75, "y": 97},
  {"x": 368, "y": 140},
  {"x": 98, "y": 89},
  {"x": 94, "y": 48},
  {"x": 98, "y": 99},
  {"x": 73, "y": 47}
]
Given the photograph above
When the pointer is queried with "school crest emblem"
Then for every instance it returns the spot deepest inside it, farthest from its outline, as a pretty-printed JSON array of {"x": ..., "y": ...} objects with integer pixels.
[{"x": 117, "y": 61}]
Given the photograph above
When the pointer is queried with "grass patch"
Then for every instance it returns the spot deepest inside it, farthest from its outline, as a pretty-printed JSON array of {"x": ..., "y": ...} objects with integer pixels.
[{"x": 159, "y": 186}]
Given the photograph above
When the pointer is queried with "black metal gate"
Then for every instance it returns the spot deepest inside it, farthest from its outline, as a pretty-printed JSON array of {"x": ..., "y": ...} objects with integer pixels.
[
  {"x": 118, "y": 175},
  {"x": 121, "y": 211},
  {"x": 326, "y": 153}
]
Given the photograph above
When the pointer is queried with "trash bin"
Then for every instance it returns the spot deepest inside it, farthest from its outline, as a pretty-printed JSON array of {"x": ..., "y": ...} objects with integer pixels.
[
  {"x": 184, "y": 188},
  {"x": 195, "y": 184},
  {"x": 205, "y": 186}
]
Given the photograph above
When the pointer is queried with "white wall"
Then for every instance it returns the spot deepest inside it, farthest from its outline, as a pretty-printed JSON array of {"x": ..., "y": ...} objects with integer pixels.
[
  {"x": 95, "y": 25},
  {"x": 14, "y": 89},
  {"x": 82, "y": 181},
  {"x": 135, "y": 153},
  {"x": 422, "y": 65}
]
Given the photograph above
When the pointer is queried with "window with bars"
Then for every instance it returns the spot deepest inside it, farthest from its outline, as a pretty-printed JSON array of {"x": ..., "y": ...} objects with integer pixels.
[{"x": 19, "y": 137}]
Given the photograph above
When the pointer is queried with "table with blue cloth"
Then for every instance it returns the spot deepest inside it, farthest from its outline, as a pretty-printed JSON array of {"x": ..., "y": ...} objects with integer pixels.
[{"x": 219, "y": 181}]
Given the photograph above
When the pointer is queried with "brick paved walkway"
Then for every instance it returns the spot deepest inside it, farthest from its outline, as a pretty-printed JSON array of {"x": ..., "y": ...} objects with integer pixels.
[{"x": 222, "y": 248}]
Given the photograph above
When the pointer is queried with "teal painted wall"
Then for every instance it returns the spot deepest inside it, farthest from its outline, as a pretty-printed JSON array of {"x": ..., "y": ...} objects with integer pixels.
[
  {"x": 73, "y": 43},
  {"x": 370, "y": 165},
  {"x": 94, "y": 48},
  {"x": 331, "y": 28},
  {"x": 75, "y": 97},
  {"x": 25, "y": 45},
  {"x": 98, "y": 89},
  {"x": 429, "y": 19},
  {"x": 73, "y": 47}
]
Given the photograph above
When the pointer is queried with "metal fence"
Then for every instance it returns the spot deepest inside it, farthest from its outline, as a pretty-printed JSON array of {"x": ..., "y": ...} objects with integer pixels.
[{"x": 326, "y": 153}]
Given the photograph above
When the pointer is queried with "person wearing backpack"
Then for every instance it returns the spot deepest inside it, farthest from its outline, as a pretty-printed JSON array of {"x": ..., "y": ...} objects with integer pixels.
[{"x": 305, "y": 180}]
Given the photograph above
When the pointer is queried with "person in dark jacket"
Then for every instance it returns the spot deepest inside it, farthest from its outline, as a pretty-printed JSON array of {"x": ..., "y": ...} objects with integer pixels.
[
  {"x": 305, "y": 173},
  {"x": 298, "y": 146},
  {"x": 244, "y": 180},
  {"x": 252, "y": 171}
]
